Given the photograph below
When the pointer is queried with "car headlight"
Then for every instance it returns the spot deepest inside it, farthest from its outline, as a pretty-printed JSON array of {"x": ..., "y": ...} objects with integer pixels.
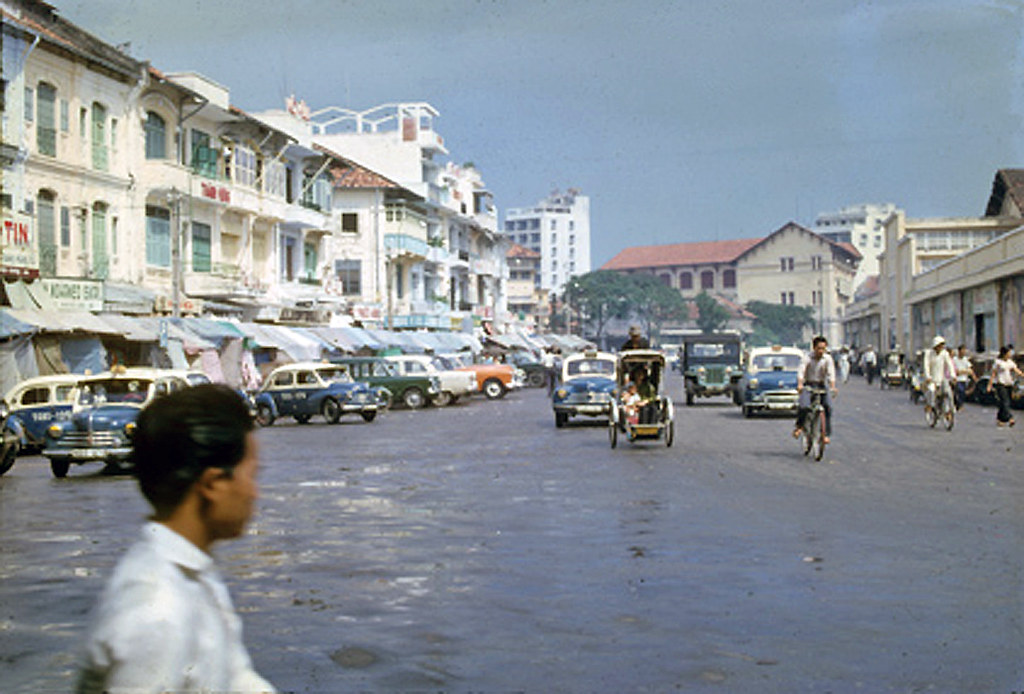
[
  {"x": 129, "y": 429},
  {"x": 752, "y": 384},
  {"x": 700, "y": 369},
  {"x": 561, "y": 393},
  {"x": 55, "y": 431}
]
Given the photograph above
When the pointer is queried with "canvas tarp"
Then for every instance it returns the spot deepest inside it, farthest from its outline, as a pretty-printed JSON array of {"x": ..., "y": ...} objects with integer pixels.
[
  {"x": 17, "y": 362},
  {"x": 11, "y": 326}
]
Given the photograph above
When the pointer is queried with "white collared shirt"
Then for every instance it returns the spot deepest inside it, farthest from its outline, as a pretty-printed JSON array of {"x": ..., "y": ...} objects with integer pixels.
[{"x": 165, "y": 623}]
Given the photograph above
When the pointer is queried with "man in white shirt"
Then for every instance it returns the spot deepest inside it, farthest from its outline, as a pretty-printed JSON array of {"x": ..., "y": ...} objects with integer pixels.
[
  {"x": 964, "y": 375},
  {"x": 818, "y": 370},
  {"x": 165, "y": 621},
  {"x": 938, "y": 372}
]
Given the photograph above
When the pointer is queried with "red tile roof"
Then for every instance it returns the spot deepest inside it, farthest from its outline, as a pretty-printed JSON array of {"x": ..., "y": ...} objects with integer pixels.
[
  {"x": 699, "y": 253},
  {"x": 517, "y": 251},
  {"x": 1008, "y": 183}
]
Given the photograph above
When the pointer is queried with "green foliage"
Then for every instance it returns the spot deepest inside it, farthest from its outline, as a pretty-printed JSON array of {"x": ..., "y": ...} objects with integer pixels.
[
  {"x": 598, "y": 297},
  {"x": 712, "y": 315},
  {"x": 653, "y": 302},
  {"x": 778, "y": 324}
]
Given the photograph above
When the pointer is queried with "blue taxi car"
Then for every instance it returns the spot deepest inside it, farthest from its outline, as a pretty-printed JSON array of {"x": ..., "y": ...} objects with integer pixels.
[
  {"x": 36, "y": 403},
  {"x": 104, "y": 409},
  {"x": 586, "y": 386},
  {"x": 769, "y": 378},
  {"x": 305, "y": 389}
]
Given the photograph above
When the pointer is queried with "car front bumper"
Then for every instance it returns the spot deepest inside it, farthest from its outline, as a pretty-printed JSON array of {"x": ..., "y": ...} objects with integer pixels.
[
  {"x": 772, "y": 400},
  {"x": 87, "y": 454}
]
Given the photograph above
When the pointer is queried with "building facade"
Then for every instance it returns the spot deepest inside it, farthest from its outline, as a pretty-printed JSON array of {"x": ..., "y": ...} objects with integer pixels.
[
  {"x": 863, "y": 227},
  {"x": 527, "y": 302},
  {"x": 558, "y": 228}
]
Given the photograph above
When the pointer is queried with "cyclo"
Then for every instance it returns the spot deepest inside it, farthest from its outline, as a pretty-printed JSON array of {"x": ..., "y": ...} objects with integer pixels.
[{"x": 652, "y": 420}]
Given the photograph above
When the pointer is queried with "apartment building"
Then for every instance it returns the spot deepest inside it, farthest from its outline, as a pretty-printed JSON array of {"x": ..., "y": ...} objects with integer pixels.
[
  {"x": 558, "y": 228},
  {"x": 527, "y": 302},
  {"x": 863, "y": 227}
]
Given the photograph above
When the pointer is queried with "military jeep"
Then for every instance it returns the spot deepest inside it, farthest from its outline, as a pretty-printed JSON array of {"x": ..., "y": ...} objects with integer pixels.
[{"x": 710, "y": 364}]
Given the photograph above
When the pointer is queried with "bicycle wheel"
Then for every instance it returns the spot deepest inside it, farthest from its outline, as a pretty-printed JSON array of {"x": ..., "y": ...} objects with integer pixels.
[
  {"x": 808, "y": 435},
  {"x": 930, "y": 416},
  {"x": 949, "y": 413},
  {"x": 819, "y": 438}
]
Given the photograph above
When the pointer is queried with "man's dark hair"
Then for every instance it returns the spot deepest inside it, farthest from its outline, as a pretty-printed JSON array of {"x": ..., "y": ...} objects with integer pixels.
[
  {"x": 819, "y": 339},
  {"x": 179, "y": 435}
]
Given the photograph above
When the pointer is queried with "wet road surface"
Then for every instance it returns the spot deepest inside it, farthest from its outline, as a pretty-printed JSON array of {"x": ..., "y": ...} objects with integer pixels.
[{"x": 479, "y": 549}]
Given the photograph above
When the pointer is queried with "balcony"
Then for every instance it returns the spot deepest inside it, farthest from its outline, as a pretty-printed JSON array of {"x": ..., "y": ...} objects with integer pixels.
[{"x": 405, "y": 246}]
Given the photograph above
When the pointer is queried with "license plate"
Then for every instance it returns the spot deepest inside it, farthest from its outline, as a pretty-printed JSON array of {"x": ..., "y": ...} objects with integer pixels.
[
  {"x": 590, "y": 409},
  {"x": 88, "y": 453}
]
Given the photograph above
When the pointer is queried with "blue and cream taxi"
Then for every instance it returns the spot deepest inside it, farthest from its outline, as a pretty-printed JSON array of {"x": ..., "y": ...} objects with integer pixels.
[
  {"x": 103, "y": 413},
  {"x": 305, "y": 389},
  {"x": 769, "y": 378},
  {"x": 36, "y": 403},
  {"x": 586, "y": 386}
]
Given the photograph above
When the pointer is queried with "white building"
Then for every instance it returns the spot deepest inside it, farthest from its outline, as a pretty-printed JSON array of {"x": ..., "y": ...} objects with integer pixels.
[
  {"x": 862, "y": 226},
  {"x": 558, "y": 228}
]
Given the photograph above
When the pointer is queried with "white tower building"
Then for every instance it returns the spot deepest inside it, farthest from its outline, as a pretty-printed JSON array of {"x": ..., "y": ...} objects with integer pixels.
[
  {"x": 862, "y": 226},
  {"x": 558, "y": 228}
]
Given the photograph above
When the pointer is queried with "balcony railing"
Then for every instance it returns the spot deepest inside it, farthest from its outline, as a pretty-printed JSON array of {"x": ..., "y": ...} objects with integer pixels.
[{"x": 403, "y": 243}]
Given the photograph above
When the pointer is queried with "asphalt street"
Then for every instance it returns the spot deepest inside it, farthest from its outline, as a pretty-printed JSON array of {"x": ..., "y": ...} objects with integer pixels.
[{"x": 480, "y": 549}]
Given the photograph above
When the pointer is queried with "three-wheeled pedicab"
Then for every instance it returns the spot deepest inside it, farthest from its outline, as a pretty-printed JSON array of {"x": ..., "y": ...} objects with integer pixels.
[
  {"x": 892, "y": 372},
  {"x": 653, "y": 416}
]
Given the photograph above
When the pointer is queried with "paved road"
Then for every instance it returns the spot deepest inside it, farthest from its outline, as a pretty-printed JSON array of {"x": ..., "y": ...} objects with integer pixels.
[{"x": 479, "y": 549}]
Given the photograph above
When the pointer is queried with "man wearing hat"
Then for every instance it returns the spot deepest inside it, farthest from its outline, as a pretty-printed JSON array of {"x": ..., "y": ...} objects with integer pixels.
[
  {"x": 938, "y": 372},
  {"x": 636, "y": 340}
]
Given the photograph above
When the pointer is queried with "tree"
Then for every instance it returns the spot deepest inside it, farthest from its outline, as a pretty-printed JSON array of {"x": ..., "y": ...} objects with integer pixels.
[
  {"x": 598, "y": 297},
  {"x": 653, "y": 302},
  {"x": 711, "y": 316},
  {"x": 779, "y": 324}
]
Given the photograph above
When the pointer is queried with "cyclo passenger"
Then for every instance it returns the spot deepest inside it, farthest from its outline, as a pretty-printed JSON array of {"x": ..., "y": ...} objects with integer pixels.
[
  {"x": 939, "y": 370},
  {"x": 818, "y": 370},
  {"x": 647, "y": 396}
]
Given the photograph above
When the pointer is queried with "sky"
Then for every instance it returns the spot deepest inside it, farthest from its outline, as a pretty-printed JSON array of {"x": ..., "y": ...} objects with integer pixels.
[{"x": 683, "y": 121}]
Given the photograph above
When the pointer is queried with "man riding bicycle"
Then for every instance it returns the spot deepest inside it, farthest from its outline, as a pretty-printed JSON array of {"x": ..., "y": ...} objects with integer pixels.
[
  {"x": 939, "y": 370},
  {"x": 817, "y": 370}
]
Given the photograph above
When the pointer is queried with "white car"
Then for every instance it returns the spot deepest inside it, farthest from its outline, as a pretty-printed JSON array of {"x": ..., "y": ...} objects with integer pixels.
[{"x": 454, "y": 384}]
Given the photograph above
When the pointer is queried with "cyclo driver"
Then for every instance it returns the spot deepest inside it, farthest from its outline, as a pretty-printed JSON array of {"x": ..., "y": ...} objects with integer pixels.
[
  {"x": 818, "y": 370},
  {"x": 938, "y": 372}
]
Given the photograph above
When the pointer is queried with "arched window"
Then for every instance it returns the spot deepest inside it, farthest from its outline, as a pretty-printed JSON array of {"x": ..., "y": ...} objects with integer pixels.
[
  {"x": 666, "y": 278},
  {"x": 729, "y": 279},
  {"x": 707, "y": 279},
  {"x": 46, "y": 226},
  {"x": 685, "y": 280},
  {"x": 156, "y": 136},
  {"x": 46, "y": 119}
]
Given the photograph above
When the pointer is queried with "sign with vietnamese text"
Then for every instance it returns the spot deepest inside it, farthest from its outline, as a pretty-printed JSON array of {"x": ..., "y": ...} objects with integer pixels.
[{"x": 75, "y": 295}]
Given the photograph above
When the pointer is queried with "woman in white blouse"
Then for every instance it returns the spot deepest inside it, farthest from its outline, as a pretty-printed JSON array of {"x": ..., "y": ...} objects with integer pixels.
[{"x": 1003, "y": 371}]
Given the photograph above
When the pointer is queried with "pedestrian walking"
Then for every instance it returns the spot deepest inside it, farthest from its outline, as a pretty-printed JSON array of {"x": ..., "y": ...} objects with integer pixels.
[
  {"x": 869, "y": 361},
  {"x": 1003, "y": 371},
  {"x": 844, "y": 365},
  {"x": 165, "y": 621},
  {"x": 964, "y": 375}
]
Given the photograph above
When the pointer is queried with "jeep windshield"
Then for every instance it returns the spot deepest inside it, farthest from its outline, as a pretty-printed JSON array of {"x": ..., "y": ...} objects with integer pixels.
[
  {"x": 712, "y": 352},
  {"x": 591, "y": 367},
  {"x": 775, "y": 362},
  {"x": 113, "y": 390}
]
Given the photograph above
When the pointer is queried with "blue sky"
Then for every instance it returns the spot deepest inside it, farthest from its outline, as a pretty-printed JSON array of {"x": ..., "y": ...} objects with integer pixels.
[{"x": 683, "y": 121}]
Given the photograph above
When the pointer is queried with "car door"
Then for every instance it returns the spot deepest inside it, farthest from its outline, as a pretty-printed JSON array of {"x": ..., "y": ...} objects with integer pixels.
[
  {"x": 307, "y": 387},
  {"x": 281, "y": 390}
]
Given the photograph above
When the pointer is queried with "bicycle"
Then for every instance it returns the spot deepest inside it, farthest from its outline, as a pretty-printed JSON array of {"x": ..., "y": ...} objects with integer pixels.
[
  {"x": 943, "y": 407},
  {"x": 814, "y": 425}
]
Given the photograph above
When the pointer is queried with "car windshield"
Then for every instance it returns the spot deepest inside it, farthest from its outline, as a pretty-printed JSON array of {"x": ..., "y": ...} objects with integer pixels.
[
  {"x": 713, "y": 351},
  {"x": 334, "y": 373},
  {"x": 776, "y": 362},
  {"x": 589, "y": 367},
  {"x": 120, "y": 390},
  {"x": 442, "y": 364}
]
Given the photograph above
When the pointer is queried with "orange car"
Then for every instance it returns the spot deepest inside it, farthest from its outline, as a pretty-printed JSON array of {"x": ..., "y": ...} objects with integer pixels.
[{"x": 493, "y": 380}]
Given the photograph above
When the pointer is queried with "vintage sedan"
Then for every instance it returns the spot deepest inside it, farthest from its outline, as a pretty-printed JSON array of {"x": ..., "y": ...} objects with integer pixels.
[
  {"x": 769, "y": 379},
  {"x": 35, "y": 404},
  {"x": 493, "y": 379},
  {"x": 454, "y": 383},
  {"x": 9, "y": 444},
  {"x": 305, "y": 389},
  {"x": 586, "y": 386},
  {"x": 414, "y": 391},
  {"x": 103, "y": 414}
]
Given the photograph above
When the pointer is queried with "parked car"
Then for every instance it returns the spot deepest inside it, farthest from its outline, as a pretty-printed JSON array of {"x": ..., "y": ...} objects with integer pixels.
[
  {"x": 104, "y": 410},
  {"x": 586, "y": 386},
  {"x": 494, "y": 380},
  {"x": 711, "y": 364},
  {"x": 536, "y": 372},
  {"x": 35, "y": 404},
  {"x": 454, "y": 383},
  {"x": 768, "y": 383},
  {"x": 306, "y": 389},
  {"x": 9, "y": 443},
  {"x": 413, "y": 391}
]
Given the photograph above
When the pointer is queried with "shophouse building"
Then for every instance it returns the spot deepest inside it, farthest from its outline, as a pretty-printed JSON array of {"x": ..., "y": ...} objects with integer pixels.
[
  {"x": 526, "y": 300},
  {"x": 558, "y": 228}
]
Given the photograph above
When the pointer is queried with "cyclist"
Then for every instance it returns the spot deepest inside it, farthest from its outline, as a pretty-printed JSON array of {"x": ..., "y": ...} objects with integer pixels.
[
  {"x": 939, "y": 370},
  {"x": 819, "y": 370}
]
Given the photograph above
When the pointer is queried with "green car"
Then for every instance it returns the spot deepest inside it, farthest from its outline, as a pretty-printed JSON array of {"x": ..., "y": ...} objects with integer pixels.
[
  {"x": 413, "y": 391},
  {"x": 711, "y": 364},
  {"x": 536, "y": 372}
]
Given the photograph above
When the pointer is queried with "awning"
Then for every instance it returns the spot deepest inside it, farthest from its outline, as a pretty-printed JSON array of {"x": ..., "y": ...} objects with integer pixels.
[
  {"x": 30, "y": 297},
  {"x": 132, "y": 329},
  {"x": 362, "y": 337},
  {"x": 127, "y": 298},
  {"x": 11, "y": 326},
  {"x": 64, "y": 321},
  {"x": 212, "y": 330},
  {"x": 338, "y": 338}
]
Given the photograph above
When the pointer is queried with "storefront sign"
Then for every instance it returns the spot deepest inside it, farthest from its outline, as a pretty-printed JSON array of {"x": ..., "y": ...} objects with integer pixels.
[
  {"x": 366, "y": 312},
  {"x": 214, "y": 193},
  {"x": 19, "y": 256},
  {"x": 75, "y": 295}
]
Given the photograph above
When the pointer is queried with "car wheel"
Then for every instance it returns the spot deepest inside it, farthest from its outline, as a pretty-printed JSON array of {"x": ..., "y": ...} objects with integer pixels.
[
  {"x": 689, "y": 399},
  {"x": 303, "y": 418},
  {"x": 561, "y": 419},
  {"x": 747, "y": 412},
  {"x": 670, "y": 434},
  {"x": 494, "y": 389},
  {"x": 444, "y": 399},
  {"x": 613, "y": 433},
  {"x": 60, "y": 468},
  {"x": 9, "y": 455},
  {"x": 264, "y": 415},
  {"x": 369, "y": 415},
  {"x": 413, "y": 398},
  {"x": 331, "y": 411},
  {"x": 536, "y": 379}
]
